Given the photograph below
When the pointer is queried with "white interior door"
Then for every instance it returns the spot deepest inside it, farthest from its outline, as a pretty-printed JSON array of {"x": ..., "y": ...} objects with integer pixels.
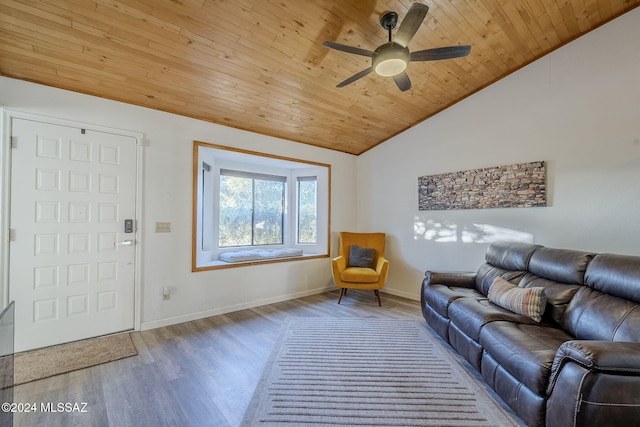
[{"x": 71, "y": 261}]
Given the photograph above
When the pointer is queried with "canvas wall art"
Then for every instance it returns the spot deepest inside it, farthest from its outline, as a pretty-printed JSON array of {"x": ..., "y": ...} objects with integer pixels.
[{"x": 521, "y": 185}]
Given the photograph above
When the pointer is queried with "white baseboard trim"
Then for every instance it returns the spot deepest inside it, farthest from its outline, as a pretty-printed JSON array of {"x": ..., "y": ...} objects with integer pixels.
[
  {"x": 407, "y": 295},
  {"x": 229, "y": 309}
]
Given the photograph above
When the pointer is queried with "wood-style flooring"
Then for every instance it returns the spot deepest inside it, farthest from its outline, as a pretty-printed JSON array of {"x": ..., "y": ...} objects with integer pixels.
[{"x": 198, "y": 373}]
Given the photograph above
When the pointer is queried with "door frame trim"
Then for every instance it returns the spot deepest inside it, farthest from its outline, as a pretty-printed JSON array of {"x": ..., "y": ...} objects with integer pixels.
[{"x": 5, "y": 197}]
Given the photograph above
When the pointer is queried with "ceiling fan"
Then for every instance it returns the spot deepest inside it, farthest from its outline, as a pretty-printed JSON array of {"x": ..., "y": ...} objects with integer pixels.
[{"x": 391, "y": 59}]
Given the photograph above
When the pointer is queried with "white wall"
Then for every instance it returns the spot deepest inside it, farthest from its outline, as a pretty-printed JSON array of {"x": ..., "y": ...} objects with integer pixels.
[
  {"x": 167, "y": 181},
  {"x": 578, "y": 109}
]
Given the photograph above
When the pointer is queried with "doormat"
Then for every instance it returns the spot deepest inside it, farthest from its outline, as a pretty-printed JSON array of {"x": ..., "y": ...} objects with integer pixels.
[{"x": 59, "y": 359}]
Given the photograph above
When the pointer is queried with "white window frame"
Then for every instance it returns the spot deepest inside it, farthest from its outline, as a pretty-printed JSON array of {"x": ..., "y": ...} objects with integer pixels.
[{"x": 209, "y": 159}]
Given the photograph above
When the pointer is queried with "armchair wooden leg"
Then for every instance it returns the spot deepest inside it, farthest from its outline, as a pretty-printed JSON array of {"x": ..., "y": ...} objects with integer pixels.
[
  {"x": 378, "y": 296},
  {"x": 342, "y": 292}
]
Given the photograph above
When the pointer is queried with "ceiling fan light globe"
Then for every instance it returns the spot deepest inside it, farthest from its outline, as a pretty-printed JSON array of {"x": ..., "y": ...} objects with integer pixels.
[
  {"x": 390, "y": 67},
  {"x": 390, "y": 59}
]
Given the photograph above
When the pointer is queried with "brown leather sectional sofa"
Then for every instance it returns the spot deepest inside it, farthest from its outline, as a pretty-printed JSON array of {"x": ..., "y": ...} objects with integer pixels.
[{"x": 578, "y": 366}]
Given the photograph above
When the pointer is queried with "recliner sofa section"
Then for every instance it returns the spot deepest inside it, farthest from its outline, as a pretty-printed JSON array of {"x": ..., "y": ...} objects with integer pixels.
[{"x": 579, "y": 365}]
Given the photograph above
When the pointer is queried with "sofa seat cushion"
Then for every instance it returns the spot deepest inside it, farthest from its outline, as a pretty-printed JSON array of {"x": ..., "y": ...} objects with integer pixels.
[
  {"x": 526, "y": 351},
  {"x": 439, "y": 297},
  {"x": 359, "y": 275},
  {"x": 470, "y": 315}
]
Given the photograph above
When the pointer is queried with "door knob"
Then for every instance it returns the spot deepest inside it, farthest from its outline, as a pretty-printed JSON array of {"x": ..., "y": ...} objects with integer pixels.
[{"x": 125, "y": 243}]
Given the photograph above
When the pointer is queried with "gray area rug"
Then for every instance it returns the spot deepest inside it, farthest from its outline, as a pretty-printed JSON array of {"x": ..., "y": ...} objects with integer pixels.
[
  {"x": 59, "y": 359},
  {"x": 367, "y": 372}
]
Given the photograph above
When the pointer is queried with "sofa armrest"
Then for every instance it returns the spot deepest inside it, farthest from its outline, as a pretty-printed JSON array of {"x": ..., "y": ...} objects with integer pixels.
[
  {"x": 601, "y": 355},
  {"x": 594, "y": 383},
  {"x": 458, "y": 280},
  {"x": 605, "y": 356}
]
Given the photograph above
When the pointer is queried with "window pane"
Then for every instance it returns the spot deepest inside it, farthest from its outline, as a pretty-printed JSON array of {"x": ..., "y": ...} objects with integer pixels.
[
  {"x": 235, "y": 211},
  {"x": 268, "y": 212},
  {"x": 206, "y": 207},
  {"x": 307, "y": 211}
]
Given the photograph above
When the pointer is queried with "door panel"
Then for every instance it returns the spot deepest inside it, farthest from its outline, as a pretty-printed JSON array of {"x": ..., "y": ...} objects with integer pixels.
[{"x": 71, "y": 190}]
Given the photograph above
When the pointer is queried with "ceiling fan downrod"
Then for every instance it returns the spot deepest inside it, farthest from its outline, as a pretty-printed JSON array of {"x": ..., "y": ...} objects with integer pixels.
[{"x": 389, "y": 21}]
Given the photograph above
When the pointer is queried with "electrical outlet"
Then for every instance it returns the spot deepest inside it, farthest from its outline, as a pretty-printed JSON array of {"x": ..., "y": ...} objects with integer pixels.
[
  {"x": 166, "y": 293},
  {"x": 163, "y": 227}
]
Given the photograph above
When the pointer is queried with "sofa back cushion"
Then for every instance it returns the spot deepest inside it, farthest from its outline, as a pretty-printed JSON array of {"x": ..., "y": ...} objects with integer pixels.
[
  {"x": 510, "y": 255},
  {"x": 561, "y": 273},
  {"x": 487, "y": 273},
  {"x": 560, "y": 265},
  {"x": 558, "y": 294},
  {"x": 616, "y": 275},
  {"x": 508, "y": 260},
  {"x": 608, "y": 307},
  {"x": 593, "y": 315}
]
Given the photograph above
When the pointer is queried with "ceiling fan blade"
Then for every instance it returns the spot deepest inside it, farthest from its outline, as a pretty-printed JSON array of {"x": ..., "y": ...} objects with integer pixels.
[
  {"x": 411, "y": 23},
  {"x": 440, "y": 53},
  {"x": 402, "y": 81},
  {"x": 348, "y": 49},
  {"x": 355, "y": 77}
]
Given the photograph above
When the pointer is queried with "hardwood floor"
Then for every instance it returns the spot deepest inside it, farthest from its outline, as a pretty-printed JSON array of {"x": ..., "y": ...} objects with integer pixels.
[{"x": 199, "y": 373}]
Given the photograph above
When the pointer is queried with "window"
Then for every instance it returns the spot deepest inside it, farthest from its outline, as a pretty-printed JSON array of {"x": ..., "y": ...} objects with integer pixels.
[
  {"x": 307, "y": 209},
  {"x": 251, "y": 209},
  {"x": 247, "y": 201}
]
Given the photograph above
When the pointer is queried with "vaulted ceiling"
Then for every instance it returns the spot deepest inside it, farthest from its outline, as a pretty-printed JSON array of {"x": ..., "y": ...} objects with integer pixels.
[{"x": 259, "y": 65}]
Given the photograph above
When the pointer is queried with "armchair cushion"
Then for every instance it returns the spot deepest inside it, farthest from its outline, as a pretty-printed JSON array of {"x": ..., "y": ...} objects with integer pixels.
[
  {"x": 361, "y": 257},
  {"x": 529, "y": 302},
  {"x": 359, "y": 275}
]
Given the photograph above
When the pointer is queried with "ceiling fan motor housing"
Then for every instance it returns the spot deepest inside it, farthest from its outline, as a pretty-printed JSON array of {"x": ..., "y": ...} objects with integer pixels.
[
  {"x": 390, "y": 59},
  {"x": 389, "y": 20}
]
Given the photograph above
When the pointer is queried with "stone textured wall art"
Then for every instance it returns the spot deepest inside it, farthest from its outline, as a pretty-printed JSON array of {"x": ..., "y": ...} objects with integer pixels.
[{"x": 522, "y": 185}]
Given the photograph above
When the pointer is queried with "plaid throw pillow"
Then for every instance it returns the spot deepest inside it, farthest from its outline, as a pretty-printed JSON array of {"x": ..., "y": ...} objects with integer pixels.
[{"x": 529, "y": 302}]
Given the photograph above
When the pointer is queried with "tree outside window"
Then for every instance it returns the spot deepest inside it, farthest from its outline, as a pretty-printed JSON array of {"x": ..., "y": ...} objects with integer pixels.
[
  {"x": 307, "y": 209},
  {"x": 251, "y": 209}
]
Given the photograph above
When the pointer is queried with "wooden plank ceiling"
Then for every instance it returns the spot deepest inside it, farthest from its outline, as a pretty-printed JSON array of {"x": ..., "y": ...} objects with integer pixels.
[{"x": 259, "y": 65}]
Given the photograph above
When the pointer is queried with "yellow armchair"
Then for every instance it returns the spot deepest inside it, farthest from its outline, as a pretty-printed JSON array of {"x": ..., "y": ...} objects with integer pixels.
[{"x": 361, "y": 263}]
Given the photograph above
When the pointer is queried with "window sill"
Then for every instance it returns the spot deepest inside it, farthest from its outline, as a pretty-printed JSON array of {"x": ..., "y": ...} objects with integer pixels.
[{"x": 217, "y": 264}]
